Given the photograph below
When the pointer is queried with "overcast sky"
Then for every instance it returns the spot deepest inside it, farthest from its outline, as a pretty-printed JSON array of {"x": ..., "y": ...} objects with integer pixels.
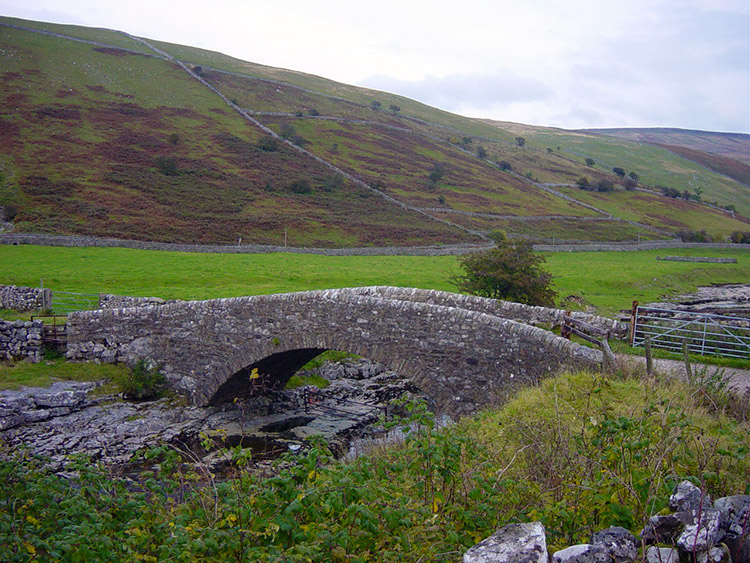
[{"x": 572, "y": 64}]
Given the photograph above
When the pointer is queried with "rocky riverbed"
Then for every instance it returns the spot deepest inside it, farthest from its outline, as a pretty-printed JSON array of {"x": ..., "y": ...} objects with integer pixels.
[{"x": 71, "y": 418}]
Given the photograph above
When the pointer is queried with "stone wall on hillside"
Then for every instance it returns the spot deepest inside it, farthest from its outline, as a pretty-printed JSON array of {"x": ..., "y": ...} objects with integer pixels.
[
  {"x": 21, "y": 340},
  {"x": 19, "y": 298},
  {"x": 440, "y": 250}
]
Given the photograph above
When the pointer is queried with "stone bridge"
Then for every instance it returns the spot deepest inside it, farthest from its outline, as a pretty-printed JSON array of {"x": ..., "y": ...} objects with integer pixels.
[{"x": 464, "y": 352}]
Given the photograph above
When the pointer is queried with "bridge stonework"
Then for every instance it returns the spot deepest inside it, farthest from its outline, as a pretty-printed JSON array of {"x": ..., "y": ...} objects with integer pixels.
[{"x": 463, "y": 359}]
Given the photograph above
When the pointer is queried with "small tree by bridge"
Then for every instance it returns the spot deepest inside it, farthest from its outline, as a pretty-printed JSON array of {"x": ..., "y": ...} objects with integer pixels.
[{"x": 510, "y": 271}]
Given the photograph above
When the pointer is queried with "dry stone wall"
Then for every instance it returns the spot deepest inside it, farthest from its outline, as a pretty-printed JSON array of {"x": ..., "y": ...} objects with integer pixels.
[
  {"x": 443, "y": 250},
  {"x": 21, "y": 340},
  {"x": 462, "y": 359},
  {"x": 19, "y": 298},
  {"x": 110, "y": 301}
]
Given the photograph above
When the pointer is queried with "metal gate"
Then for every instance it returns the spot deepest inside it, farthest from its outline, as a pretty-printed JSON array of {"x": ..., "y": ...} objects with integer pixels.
[
  {"x": 703, "y": 333},
  {"x": 65, "y": 301}
]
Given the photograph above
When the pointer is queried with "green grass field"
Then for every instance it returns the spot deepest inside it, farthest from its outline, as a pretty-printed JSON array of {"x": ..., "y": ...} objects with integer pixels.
[{"x": 608, "y": 280}]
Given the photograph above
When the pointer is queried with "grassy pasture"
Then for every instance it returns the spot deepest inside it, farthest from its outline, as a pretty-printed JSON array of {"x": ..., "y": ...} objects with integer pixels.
[{"x": 608, "y": 280}]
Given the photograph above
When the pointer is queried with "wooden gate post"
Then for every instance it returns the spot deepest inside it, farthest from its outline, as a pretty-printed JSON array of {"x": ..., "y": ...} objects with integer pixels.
[{"x": 633, "y": 320}]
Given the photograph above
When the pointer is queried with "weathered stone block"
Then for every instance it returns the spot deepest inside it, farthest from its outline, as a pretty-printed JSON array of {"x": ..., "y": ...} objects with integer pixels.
[
  {"x": 662, "y": 555},
  {"x": 689, "y": 498},
  {"x": 515, "y": 543},
  {"x": 582, "y": 553},
  {"x": 703, "y": 533},
  {"x": 620, "y": 544}
]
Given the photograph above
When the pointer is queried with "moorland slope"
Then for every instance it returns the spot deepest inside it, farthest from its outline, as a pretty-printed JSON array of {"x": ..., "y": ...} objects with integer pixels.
[{"x": 108, "y": 134}]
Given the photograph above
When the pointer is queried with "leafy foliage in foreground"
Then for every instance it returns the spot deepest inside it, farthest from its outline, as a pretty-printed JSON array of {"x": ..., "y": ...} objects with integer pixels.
[{"x": 578, "y": 453}]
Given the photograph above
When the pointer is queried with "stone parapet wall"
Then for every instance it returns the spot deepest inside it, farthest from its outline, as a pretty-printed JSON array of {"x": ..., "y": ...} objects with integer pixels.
[
  {"x": 19, "y": 298},
  {"x": 21, "y": 340},
  {"x": 528, "y": 314}
]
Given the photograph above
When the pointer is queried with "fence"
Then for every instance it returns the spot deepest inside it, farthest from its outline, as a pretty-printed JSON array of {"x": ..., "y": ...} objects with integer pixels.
[
  {"x": 65, "y": 301},
  {"x": 704, "y": 334}
]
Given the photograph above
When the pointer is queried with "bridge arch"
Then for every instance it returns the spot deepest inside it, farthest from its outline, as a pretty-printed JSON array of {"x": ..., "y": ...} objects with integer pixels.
[{"x": 462, "y": 359}]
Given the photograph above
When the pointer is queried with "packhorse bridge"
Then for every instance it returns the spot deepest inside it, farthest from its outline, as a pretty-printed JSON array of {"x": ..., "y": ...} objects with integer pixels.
[{"x": 464, "y": 352}]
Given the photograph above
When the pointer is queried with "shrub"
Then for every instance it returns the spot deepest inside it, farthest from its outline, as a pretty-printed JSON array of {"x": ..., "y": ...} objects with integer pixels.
[
  {"x": 691, "y": 235},
  {"x": 740, "y": 237},
  {"x": 509, "y": 271},
  {"x": 300, "y": 187},
  {"x": 268, "y": 143},
  {"x": 669, "y": 192},
  {"x": 8, "y": 212},
  {"x": 167, "y": 165},
  {"x": 142, "y": 382}
]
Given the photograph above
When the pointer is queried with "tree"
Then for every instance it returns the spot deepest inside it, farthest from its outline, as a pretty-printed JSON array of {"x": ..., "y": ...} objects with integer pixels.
[
  {"x": 605, "y": 185},
  {"x": 509, "y": 271},
  {"x": 634, "y": 176},
  {"x": 394, "y": 108},
  {"x": 436, "y": 174},
  {"x": 504, "y": 165},
  {"x": 590, "y": 161},
  {"x": 375, "y": 105},
  {"x": 481, "y": 152},
  {"x": 287, "y": 131},
  {"x": 583, "y": 183},
  {"x": 619, "y": 171},
  {"x": 520, "y": 141}
]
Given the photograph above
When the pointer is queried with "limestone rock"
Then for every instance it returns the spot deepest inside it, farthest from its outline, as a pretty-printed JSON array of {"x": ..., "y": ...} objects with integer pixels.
[
  {"x": 582, "y": 553},
  {"x": 732, "y": 507},
  {"x": 703, "y": 533},
  {"x": 514, "y": 543},
  {"x": 662, "y": 555},
  {"x": 620, "y": 544},
  {"x": 688, "y": 498},
  {"x": 717, "y": 554},
  {"x": 665, "y": 528}
]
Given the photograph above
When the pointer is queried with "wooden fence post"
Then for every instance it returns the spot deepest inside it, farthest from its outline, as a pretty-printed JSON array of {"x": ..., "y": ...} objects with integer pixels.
[{"x": 633, "y": 320}]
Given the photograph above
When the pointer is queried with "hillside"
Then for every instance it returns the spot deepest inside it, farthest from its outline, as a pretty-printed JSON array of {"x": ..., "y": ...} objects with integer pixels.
[{"x": 108, "y": 134}]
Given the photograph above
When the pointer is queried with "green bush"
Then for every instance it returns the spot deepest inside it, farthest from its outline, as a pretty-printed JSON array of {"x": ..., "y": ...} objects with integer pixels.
[{"x": 143, "y": 381}]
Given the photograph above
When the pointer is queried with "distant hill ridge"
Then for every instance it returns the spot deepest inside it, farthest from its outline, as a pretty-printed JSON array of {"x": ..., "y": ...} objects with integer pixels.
[{"x": 189, "y": 146}]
